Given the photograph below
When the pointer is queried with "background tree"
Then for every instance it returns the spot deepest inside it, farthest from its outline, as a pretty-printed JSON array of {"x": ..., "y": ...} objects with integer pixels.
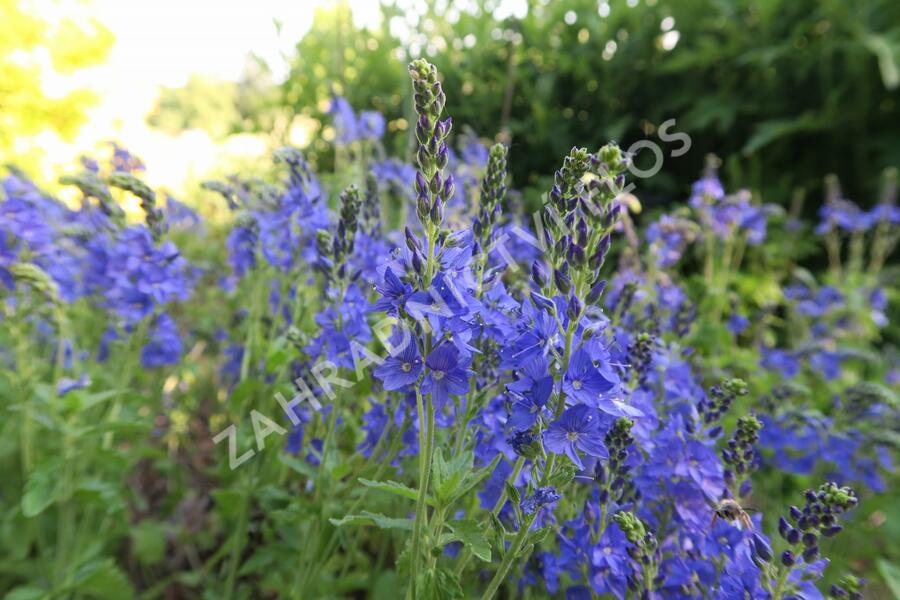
[{"x": 30, "y": 48}]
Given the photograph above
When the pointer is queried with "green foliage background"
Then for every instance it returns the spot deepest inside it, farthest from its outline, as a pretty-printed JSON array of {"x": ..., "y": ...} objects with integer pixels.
[{"x": 783, "y": 90}]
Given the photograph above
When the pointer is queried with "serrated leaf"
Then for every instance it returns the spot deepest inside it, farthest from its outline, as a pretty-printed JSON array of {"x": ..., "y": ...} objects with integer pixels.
[
  {"x": 104, "y": 580},
  {"x": 368, "y": 518},
  {"x": 472, "y": 479},
  {"x": 563, "y": 475},
  {"x": 439, "y": 584},
  {"x": 451, "y": 478},
  {"x": 468, "y": 532},
  {"x": 40, "y": 490}
]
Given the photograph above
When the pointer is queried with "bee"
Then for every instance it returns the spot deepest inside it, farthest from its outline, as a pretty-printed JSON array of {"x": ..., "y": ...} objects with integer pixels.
[{"x": 731, "y": 511}]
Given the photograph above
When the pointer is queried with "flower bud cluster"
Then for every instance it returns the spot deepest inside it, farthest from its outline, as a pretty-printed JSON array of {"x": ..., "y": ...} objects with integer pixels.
[
  {"x": 613, "y": 476},
  {"x": 848, "y": 587},
  {"x": 335, "y": 248},
  {"x": 493, "y": 191},
  {"x": 740, "y": 453},
  {"x": 640, "y": 353},
  {"x": 803, "y": 528},
  {"x": 371, "y": 207},
  {"x": 720, "y": 398},
  {"x": 434, "y": 186},
  {"x": 154, "y": 216},
  {"x": 92, "y": 186}
]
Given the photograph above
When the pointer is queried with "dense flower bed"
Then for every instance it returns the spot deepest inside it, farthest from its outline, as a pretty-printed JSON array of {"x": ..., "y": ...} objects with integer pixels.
[{"x": 392, "y": 378}]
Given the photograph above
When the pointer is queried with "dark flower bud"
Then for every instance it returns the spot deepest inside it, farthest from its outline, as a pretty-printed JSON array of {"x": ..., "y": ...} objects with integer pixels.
[
  {"x": 810, "y": 539},
  {"x": 538, "y": 274},
  {"x": 543, "y": 302},
  {"x": 576, "y": 255},
  {"x": 793, "y": 536},
  {"x": 421, "y": 183},
  {"x": 555, "y": 194},
  {"x": 443, "y": 157},
  {"x": 562, "y": 281},
  {"x": 476, "y": 230},
  {"x": 788, "y": 559},
  {"x": 423, "y": 208},
  {"x": 412, "y": 242},
  {"x": 422, "y": 155},
  {"x": 762, "y": 548},
  {"x": 437, "y": 211},
  {"x": 423, "y": 127},
  {"x": 783, "y": 527},
  {"x": 574, "y": 307},
  {"x": 811, "y": 553},
  {"x": 596, "y": 291},
  {"x": 612, "y": 215},
  {"x": 582, "y": 230},
  {"x": 795, "y": 513},
  {"x": 417, "y": 263},
  {"x": 832, "y": 531},
  {"x": 604, "y": 245},
  {"x": 449, "y": 188},
  {"x": 434, "y": 186}
]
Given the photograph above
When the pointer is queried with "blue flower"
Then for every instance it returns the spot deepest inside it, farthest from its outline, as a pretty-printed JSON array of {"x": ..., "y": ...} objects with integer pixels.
[
  {"x": 577, "y": 429},
  {"x": 393, "y": 291},
  {"x": 583, "y": 382},
  {"x": 402, "y": 368},
  {"x": 164, "y": 347},
  {"x": 66, "y": 385},
  {"x": 528, "y": 406},
  {"x": 447, "y": 375},
  {"x": 540, "y": 497}
]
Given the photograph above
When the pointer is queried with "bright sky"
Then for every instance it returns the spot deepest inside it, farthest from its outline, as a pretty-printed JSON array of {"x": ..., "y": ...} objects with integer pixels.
[{"x": 164, "y": 42}]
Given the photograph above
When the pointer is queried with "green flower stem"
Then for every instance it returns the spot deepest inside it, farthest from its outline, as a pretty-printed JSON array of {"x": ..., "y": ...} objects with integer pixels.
[{"x": 426, "y": 435}]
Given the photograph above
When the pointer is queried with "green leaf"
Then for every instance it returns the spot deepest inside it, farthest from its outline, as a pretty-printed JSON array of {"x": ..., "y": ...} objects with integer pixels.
[
  {"x": 512, "y": 493},
  {"x": 398, "y": 489},
  {"x": 368, "y": 518},
  {"x": 228, "y": 501},
  {"x": 104, "y": 580},
  {"x": 40, "y": 490},
  {"x": 470, "y": 534},
  {"x": 773, "y": 129},
  {"x": 445, "y": 476},
  {"x": 888, "y": 55},
  {"x": 564, "y": 474},
  {"x": 148, "y": 539},
  {"x": 891, "y": 575},
  {"x": 26, "y": 592},
  {"x": 300, "y": 466},
  {"x": 439, "y": 584}
]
